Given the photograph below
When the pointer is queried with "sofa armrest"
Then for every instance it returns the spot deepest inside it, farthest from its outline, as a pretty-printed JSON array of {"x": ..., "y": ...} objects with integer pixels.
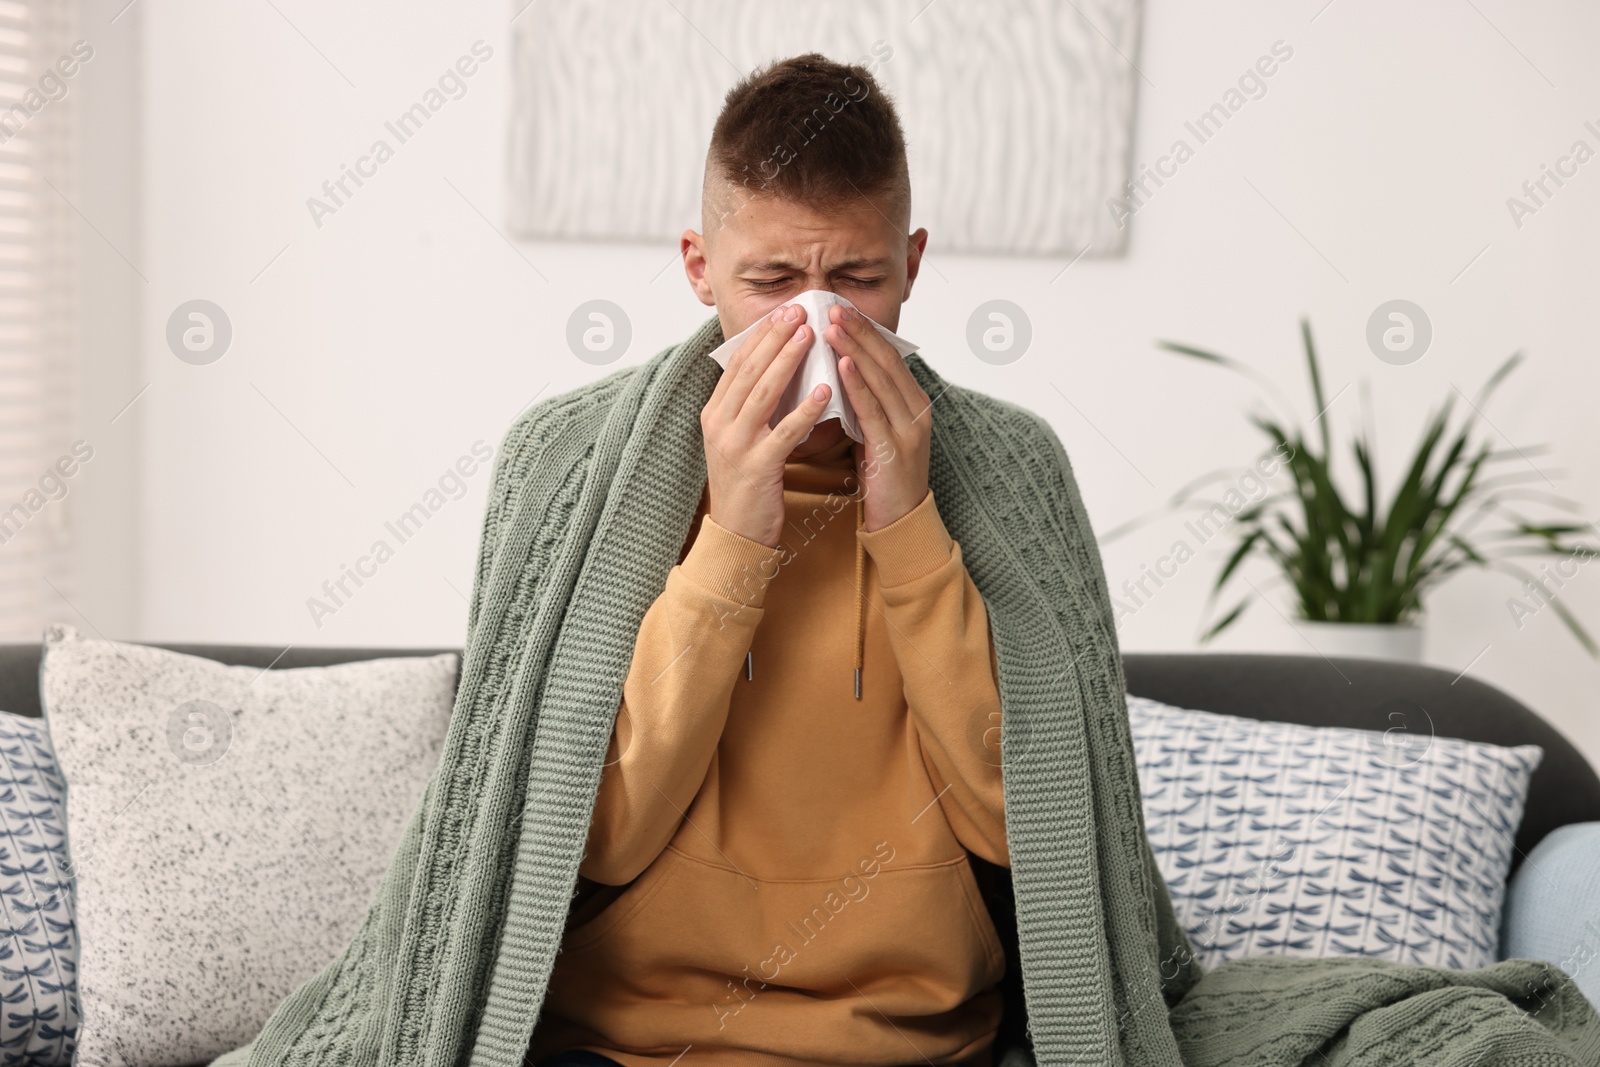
[{"x": 1552, "y": 909}]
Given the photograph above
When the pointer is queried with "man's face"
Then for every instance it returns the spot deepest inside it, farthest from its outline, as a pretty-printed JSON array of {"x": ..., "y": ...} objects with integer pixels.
[{"x": 767, "y": 250}]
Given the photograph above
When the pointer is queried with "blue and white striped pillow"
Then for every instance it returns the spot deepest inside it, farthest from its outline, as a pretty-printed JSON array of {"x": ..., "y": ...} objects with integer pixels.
[
  {"x": 1277, "y": 839},
  {"x": 38, "y": 931}
]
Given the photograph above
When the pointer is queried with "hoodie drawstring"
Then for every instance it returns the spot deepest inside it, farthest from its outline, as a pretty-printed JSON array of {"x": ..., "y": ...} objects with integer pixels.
[{"x": 861, "y": 599}]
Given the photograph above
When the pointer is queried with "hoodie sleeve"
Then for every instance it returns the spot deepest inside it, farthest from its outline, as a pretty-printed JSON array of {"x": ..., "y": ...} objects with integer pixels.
[
  {"x": 689, "y": 652},
  {"x": 939, "y": 630}
]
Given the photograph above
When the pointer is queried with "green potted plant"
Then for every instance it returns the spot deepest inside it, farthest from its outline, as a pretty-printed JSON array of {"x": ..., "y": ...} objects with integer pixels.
[{"x": 1360, "y": 567}]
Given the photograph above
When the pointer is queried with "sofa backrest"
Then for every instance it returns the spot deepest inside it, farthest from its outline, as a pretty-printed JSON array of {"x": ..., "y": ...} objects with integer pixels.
[{"x": 1310, "y": 690}]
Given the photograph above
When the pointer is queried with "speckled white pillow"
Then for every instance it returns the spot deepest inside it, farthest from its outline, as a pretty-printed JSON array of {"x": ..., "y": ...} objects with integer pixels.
[{"x": 227, "y": 829}]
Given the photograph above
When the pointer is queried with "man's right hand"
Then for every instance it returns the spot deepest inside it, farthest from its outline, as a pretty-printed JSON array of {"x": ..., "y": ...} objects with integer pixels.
[{"x": 744, "y": 455}]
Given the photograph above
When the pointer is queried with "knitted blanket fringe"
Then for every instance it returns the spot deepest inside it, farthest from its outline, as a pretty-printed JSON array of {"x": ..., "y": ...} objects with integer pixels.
[{"x": 592, "y": 495}]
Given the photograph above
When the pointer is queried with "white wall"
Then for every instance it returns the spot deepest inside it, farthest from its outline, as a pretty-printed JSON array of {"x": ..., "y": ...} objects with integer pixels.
[
  {"x": 106, "y": 501},
  {"x": 375, "y": 350}
]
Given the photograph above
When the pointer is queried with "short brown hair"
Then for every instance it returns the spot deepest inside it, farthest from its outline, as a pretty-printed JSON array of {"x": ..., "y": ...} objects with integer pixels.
[{"x": 811, "y": 130}]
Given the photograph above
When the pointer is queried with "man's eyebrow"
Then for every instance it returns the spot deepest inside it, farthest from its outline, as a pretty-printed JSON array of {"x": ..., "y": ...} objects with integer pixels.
[
  {"x": 781, "y": 264},
  {"x": 765, "y": 265}
]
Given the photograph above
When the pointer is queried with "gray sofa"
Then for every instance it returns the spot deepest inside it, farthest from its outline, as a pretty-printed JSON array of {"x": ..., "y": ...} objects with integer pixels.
[{"x": 1310, "y": 690}]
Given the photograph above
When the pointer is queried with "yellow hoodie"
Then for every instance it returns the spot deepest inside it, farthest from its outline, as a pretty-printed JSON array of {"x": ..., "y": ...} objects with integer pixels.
[{"x": 776, "y": 870}]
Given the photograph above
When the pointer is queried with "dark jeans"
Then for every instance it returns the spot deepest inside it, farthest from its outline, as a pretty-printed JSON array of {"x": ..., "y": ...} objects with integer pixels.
[{"x": 578, "y": 1058}]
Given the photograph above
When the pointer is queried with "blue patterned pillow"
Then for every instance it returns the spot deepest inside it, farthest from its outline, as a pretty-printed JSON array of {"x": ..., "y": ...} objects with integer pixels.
[
  {"x": 39, "y": 939},
  {"x": 1277, "y": 839}
]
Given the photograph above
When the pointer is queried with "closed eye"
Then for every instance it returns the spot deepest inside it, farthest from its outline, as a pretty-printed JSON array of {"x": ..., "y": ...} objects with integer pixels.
[{"x": 775, "y": 283}]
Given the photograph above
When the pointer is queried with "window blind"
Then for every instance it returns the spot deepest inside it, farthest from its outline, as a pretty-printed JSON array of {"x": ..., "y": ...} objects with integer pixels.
[{"x": 37, "y": 261}]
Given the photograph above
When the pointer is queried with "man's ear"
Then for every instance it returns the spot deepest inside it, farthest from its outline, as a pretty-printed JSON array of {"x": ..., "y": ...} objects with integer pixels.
[
  {"x": 914, "y": 247},
  {"x": 693, "y": 248}
]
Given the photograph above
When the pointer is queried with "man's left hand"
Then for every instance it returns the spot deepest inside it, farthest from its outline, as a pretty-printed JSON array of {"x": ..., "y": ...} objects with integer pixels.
[{"x": 895, "y": 416}]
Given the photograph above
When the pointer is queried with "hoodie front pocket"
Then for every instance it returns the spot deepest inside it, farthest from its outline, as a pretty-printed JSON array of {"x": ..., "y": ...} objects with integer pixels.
[
  {"x": 633, "y": 900},
  {"x": 712, "y": 956}
]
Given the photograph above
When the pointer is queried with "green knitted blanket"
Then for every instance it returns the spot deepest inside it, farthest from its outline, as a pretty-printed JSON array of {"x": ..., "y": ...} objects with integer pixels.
[{"x": 592, "y": 496}]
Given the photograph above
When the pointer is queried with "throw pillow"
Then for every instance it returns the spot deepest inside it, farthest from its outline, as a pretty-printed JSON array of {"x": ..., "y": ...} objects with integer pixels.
[
  {"x": 39, "y": 949},
  {"x": 1277, "y": 839},
  {"x": 228, "y": 829},
  {"x": 1553, "y": 905}
]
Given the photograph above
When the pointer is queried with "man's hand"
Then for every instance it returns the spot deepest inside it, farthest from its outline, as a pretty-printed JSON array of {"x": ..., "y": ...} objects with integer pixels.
[
  {"x": 744, "y": 455},
  {"x": 894, "y": 413}
]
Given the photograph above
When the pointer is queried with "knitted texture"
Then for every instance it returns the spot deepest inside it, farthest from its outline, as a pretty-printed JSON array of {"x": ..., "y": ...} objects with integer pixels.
[
  {"x": 592, "y": 496},
  {"x": 1345, "y": 1011}
]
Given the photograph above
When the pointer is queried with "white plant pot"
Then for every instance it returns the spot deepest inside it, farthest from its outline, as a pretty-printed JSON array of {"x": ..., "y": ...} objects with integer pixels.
[{"x": 1364, "y": 640}]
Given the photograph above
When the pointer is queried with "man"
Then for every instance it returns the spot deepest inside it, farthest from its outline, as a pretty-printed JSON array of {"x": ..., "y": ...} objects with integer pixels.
[
  {"x": 799, "y": 766},
  {"x": 723, "y": 764}
]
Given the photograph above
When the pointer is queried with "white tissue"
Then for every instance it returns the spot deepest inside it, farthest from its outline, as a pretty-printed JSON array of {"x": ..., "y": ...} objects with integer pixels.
[{"x": 821, "y": 364}]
